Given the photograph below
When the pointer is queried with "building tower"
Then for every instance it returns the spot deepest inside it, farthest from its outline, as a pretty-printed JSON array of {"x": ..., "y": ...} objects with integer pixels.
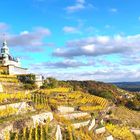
[
  {"x": 6, "y": 58},
  {"x": 5, "y": 53},
  {"x": 8, "y": 63},
  {"x": 5, "y": 49}
]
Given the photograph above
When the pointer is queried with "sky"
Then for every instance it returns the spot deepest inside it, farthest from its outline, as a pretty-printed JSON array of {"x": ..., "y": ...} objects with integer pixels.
[{"x": 74, "y": 39}]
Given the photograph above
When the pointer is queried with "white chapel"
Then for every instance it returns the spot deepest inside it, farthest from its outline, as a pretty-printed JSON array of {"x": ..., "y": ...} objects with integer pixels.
[{"x": 9, "y": 64}]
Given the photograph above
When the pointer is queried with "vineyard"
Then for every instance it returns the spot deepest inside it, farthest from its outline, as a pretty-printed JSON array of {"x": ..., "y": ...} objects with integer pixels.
[
  {"x": 120, "y": 132},
  {"x": 8, "y": 78},
  {"x": 47, "y": 114},
  {"x": 40, "y": 132},
  {"x": 15, "y": 97},
  {"x": 72, "y": 98},
  {"x": 7, "y": 112}
]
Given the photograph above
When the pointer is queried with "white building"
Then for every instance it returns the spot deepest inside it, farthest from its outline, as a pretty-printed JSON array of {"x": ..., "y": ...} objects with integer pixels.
[
  {"x": 39, "y": 80},
  {"x": 8, "y": 63}
]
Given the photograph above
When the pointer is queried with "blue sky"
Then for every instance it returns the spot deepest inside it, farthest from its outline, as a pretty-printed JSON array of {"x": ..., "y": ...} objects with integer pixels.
[{"x": 75, "y": 39}]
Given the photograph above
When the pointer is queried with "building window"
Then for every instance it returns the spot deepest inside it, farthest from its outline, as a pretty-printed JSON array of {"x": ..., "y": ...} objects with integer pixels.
[{"x": 2, "y": 51}]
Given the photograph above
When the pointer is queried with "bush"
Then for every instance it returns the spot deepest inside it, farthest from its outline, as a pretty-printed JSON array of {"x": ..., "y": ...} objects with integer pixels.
[
  {"x": 49, "y": 83},
  {"x": 104, "y": 94},
  {"x": 30, "y": 86},
  {"x": 27, "y": 79}
]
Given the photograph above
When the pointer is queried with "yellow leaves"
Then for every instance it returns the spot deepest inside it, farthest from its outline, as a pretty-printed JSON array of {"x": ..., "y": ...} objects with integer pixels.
[
  {"x": 90, "y": 108},
  {"x": 7, "y": 112},
  {"x": 82, "y": 134},
  {"x": 69, "y": 128},
  {"x": 19, "y": 96},
  {"x": 121, "y": 132},
  {"x": 7, "y": 135},
  {"x": 24, "y": 133},
  {"x": 62, "y": 119},
  {"x": 16, "y": 136},
  {"x": 83, "y": 118},
  {"x": 41, "y": 106},
  {"x": 8, "y": 78},
  {"x": 87, "y": 98},
  {"x": 39, "y": 132},
  {"x": 30, "y": 133},
  {"x": 54, "y": 90}
]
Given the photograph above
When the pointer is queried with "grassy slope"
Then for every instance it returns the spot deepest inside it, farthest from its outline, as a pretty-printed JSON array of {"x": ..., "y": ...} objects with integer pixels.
[{"x": 128, "y": 117}]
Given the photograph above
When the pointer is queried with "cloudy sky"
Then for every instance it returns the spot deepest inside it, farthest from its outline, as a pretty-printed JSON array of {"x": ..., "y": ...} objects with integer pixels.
[{"x": 75, "y": 39}]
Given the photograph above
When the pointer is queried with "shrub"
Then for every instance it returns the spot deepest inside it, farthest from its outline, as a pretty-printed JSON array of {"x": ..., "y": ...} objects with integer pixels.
[
  {"x": 30, "y": 86},
  {"x": 50, "y": 83},
  {"x": 27, "y": 79}
]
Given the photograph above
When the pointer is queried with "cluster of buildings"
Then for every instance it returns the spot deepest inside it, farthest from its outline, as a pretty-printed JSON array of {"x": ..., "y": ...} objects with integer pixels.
[
  {"x": 8, "y": 63},
  {"x": 12, "y": 66}
]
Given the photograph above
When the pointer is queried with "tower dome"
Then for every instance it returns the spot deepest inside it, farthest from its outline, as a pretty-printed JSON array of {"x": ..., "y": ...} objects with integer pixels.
[{"x": 4, "y": 49}]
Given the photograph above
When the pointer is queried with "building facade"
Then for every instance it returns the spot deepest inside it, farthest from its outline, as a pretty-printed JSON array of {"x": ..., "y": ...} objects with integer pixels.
[{"x": 9, "y": 64}]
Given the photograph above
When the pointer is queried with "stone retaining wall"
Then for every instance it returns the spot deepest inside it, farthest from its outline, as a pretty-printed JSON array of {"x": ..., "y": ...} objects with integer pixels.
[
  {"x": 100, "y": 130},
  {"x": 75, "y": 115},
  {"x": 65, "y": 109},
  {"x": 42, "y": 118},
  {"x": 78, "y": 125}
]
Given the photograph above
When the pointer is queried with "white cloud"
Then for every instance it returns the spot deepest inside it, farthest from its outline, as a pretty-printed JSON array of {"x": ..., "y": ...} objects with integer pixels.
[
  {"x": 24, "y": 33},
  {"x": 106, "y": 74},
  {"x": 101, "y": 45},
  {"x": 79, "y": 5},
  {"x": 139, "y": 18},
  {"x": 70, "y": 29},
  {"x": 68, "y": 63},
  {"x": 103, "y": 39},
  {"x": 28, "y": 40},
  {"x": 89, "y": 48},
  {"x": 76, "y": 7}
]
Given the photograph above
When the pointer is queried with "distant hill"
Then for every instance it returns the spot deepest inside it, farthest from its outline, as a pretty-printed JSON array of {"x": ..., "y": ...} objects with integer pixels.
[
  {"x": 129, "y": 86},
  {"x": 101, "y": 89}
]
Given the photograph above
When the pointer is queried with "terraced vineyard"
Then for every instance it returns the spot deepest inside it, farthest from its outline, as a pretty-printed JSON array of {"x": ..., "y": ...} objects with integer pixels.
[
  {"x": 8, "y": 78},
  {"x": 58, "y": 113}
]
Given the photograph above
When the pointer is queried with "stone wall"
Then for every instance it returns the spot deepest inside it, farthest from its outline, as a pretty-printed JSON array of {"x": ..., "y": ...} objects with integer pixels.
[
  {"x": 14, "y": 126},
  {"x": 75, "y": 115},
  {"x": 78, "y": 125},
  {"x": 135, "y": 131},
  {"x": 4, "y": 128},
  {"x": 58, "y": 133},
  {"x": 16, "y": 70},
  {"x": 92, "y": 124},
  {"x": 100, "y": 130},
  {"x": 31, "y": 121},
  {"x": 42, "y": 118},
  {"x": 109, "y": 137},
  {"x": 65, "y": 109},
  {"x": 20, "y": 106},
  {"x": 10, "y": 62}
]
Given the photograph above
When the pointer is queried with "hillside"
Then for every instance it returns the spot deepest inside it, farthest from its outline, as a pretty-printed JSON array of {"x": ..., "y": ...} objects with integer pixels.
[
  {"x": 97, "y": 88},
  {"x": 67, "y": 112},
  {"x": 108, "y": 91},
  {"x": 130, "y": 86}
]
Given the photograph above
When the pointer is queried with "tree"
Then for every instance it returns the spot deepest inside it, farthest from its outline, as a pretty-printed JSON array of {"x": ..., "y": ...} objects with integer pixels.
[{"x": 50, "y": 82}]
